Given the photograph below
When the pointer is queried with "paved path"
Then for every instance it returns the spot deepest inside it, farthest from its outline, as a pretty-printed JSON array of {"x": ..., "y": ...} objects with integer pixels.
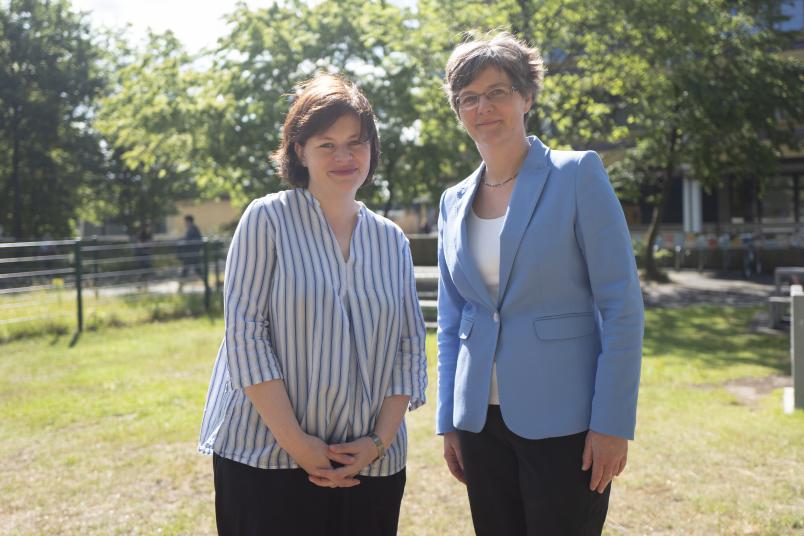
[{"x": 689, "y": 287}]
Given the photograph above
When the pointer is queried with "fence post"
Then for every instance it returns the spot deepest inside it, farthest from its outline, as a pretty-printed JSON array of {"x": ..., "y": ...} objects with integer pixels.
[
  {"x": 217, "y": 257},
  {"x": 95, "y": 266},
  {"x": 78, "y": 276},
  {"x": 797, "y": 344},
  {"x": 207, "y": 290}
]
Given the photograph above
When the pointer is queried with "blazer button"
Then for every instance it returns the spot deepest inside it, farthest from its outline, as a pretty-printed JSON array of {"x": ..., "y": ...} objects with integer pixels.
[{"x": 496, "y": 317}]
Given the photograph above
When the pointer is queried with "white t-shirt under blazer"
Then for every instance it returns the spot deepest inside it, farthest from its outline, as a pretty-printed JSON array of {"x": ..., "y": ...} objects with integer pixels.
[{"x": 484, "y": 243}]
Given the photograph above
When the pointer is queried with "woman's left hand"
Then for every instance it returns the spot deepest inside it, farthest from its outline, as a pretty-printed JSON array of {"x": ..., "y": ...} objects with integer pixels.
[
  {"x": 606, "y": 455},
  {"x": 354, "y": 455}
]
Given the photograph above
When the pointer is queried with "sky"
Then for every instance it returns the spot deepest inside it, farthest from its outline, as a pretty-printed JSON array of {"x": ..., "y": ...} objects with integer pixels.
[{"x": 197, "y": 23}]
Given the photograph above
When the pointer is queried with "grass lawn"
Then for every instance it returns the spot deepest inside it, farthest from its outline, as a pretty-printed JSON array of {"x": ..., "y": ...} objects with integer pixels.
[
  {"x": 54, "y": 312},
  {"x": 99, "y": 438}
]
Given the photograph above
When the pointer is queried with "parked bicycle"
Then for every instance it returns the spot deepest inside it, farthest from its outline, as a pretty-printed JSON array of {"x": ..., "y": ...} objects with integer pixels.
[{"x": 752, "y": 264}]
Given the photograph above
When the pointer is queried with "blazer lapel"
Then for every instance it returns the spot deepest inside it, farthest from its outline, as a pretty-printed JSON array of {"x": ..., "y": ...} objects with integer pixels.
[
  {"x": 463, "y": 253},
  {"x": 524, "y": 198}
]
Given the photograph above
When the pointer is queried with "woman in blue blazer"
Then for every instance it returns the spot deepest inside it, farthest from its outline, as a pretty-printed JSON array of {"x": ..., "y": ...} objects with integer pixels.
[{"x": 540, "y": 313}]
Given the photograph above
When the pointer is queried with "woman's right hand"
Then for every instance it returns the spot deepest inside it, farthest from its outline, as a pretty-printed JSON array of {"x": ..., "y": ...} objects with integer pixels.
[
  {"x": 452, "y": 454},
  {"x": 310, "y": 453}
]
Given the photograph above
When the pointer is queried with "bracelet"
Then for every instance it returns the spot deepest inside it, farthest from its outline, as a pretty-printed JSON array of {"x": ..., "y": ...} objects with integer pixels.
[{"x": 378, "y": 443}]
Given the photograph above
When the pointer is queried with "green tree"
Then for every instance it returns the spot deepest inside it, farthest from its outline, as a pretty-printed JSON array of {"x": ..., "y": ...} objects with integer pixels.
[
  {"x": 441, "y": 153},
  {"x": 148, "y": 123},
  {"x": 696, "y": 89},
  {"x": 690, "y": 88},
  {"x": 569, "y": 112},
  {"x": 249, "y": 88},
  {"x": 48, "y": 80},
  {"x": 394, "y": 54},
  {"x": 243, "y": 98}
]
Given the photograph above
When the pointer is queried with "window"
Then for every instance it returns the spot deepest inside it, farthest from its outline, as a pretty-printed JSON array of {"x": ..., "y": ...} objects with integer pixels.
[{"x": 778, "y": 200}]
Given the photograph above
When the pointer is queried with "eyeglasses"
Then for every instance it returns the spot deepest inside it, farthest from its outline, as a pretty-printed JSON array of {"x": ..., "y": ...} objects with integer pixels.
[{"x": 470, "y": 101}]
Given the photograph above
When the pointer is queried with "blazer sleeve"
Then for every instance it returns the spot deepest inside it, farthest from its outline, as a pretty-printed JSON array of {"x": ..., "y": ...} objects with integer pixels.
[
  {"x": 410, "y": 366},
  {"x": 605, "y": 241},
  {"x": 450, "y": 308},
  {"x": 249, "y": 267}
]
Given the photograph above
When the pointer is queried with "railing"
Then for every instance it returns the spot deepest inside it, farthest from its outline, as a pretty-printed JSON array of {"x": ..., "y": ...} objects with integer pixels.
[
  {"x": 49, "y": 280},
  {"x": 750, "y": 253}
]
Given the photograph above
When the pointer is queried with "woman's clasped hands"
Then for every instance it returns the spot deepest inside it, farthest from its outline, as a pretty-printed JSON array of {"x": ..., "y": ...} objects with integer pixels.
[{"x": 316, "y": 458}]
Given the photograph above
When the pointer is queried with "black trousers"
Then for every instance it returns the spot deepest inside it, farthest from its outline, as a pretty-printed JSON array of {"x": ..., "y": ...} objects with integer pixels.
[
  {"x": 521, "y": 486},
  {"x": 278, "y": 502}
]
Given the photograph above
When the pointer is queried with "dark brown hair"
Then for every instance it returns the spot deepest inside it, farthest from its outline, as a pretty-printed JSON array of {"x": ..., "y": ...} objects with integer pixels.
[
  {"x": 523, "y": 64},
  {"x": 320, "y": 102}
]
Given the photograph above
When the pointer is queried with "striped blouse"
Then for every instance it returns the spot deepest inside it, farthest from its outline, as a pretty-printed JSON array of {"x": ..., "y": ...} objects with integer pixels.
[{"x": 343, "y": 335}]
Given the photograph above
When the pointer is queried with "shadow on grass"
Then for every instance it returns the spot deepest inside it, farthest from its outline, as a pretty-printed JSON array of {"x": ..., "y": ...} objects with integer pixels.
[
  {"x": 56, "y": 339},
  {"x": 685, "y": 297},
  {"x": 74, "y": 340},
  {"x": 713, "y": 337}
]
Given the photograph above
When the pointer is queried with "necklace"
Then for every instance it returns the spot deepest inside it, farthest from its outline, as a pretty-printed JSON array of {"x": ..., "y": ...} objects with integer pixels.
[{"x": 497, "y": 184}]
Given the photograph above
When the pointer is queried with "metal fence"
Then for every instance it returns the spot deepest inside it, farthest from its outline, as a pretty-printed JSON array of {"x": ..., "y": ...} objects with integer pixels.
[{"x": 48, "y": 280}]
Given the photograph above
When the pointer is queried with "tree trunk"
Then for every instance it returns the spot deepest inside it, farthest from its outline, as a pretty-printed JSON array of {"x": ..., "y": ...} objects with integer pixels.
[
  {"x": 389, "y": 173},
  {"x": 387, "y": 208},
  {"x": 526, "y": 15},
  {"x": 16, "y": 185},
  {"x": 652, "y": 272},
  {"x": 129, "y": 204}
]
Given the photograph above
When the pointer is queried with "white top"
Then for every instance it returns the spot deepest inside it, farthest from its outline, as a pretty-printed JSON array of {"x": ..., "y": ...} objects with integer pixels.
[
  {"x": 484, "y": 243},
  {"x": 343, "y": 335}
]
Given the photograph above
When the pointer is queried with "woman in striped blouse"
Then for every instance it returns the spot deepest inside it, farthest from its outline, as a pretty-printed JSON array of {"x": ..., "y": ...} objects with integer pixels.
[{"x": 324, "y": 341}]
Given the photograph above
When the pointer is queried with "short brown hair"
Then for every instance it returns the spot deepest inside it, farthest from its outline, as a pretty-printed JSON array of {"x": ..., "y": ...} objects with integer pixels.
[
  {"x": 318, "y": 104},
  {"x": 522, "y": 63}
]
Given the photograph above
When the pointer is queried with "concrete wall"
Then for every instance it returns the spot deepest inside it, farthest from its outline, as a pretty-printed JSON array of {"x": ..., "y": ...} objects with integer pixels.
[{"x": 424, "y": 249}]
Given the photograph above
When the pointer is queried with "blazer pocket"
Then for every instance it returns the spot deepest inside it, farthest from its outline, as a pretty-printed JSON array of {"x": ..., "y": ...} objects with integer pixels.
[
  {"x": 466, "y": 327},
  {"x": 567, "y": 326}
]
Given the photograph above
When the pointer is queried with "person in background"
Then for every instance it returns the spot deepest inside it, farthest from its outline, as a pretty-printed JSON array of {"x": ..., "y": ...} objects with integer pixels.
[
  {"x": 191, "y": 229},
  {"x": 323, "y": 349},
  {"x": 540, "y": 312},
  {"x": 190, "y": 249}
]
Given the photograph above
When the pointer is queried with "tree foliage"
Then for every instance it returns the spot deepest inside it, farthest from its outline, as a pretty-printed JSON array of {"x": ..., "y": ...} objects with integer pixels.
[
  {"x": 148, "y": 124},
  {"x": 697, "y": 88},
  {"x": 269, "y": 51},
  {"x": 48, "y": 81},
  {"x": 701, "y": 89}
]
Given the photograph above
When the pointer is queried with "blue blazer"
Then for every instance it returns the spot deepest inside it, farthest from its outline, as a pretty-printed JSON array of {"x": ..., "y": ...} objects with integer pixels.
[{"x": 566, "y": 326}]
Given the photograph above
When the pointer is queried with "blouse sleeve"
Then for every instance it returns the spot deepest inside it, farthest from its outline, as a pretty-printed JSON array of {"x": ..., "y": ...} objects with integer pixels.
[
  {"x": 409, "y": 375},
  {"x": 249, "y": 267}
]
